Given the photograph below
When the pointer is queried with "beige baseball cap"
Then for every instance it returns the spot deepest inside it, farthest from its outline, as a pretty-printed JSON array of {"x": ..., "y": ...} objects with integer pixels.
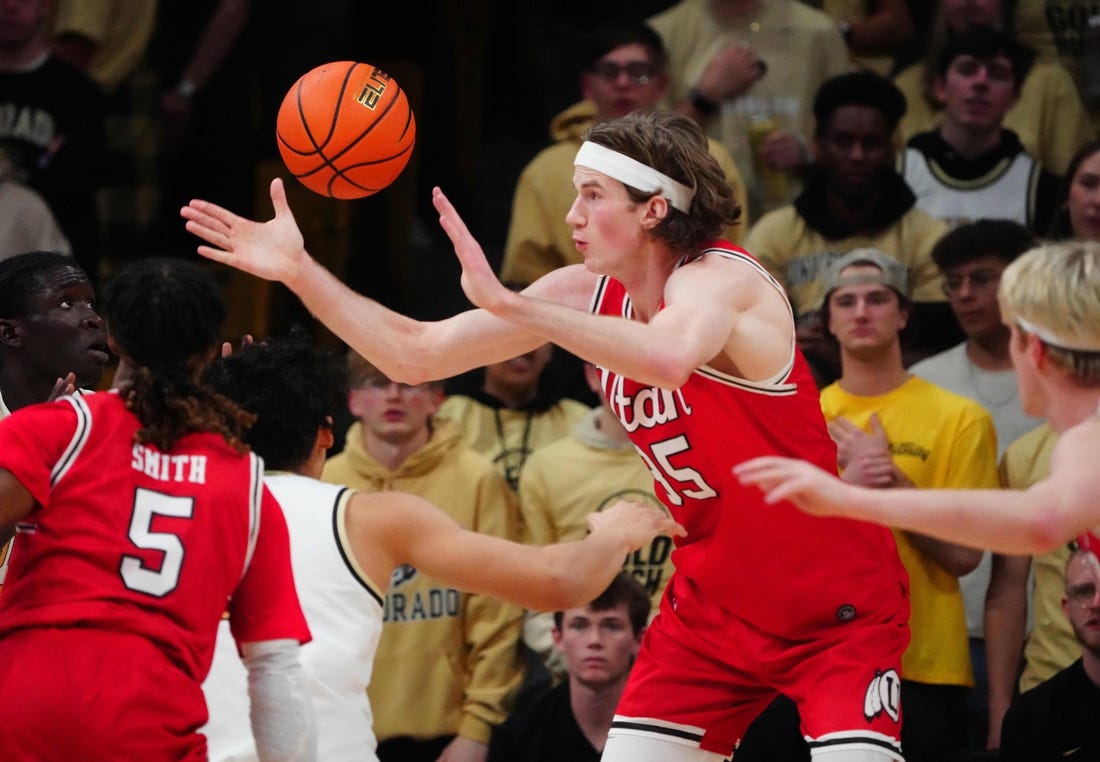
[{"x": 892, "y": 272}]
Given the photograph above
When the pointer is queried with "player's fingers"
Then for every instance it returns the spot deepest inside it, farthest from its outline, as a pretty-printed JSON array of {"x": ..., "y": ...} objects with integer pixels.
[
  {"x": 217, "y": 255},
  {"x": 672, "y": 528},
  {"x": 213, "y": 236}
]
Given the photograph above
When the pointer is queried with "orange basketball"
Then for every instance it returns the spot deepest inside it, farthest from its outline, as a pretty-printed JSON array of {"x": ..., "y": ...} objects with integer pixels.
[{"x": 345, "y": 129}]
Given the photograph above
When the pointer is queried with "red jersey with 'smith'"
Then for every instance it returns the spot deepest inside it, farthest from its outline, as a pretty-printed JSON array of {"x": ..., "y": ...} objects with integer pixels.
[
  {"x": 772, "y": 565},
  {"x": 125, "y": 538}
]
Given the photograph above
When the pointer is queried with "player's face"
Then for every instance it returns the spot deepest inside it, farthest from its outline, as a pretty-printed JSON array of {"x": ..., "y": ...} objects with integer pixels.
[
  {"x": 599, "y": 646},
  {"x": 62, "y": 332},
  {"x": 607, "y": 224},
  {"x": 971, "y": 290},
  {"x": 976, "y": 93},
  {"x": 1082, "y": 602},
  {"x": 394, "y": 413},
  {"x": 960, "y": 13},
  {"x": 855, "y": 149},
  {"x": 1083, "y": 200},
  {"x": 865, "y": 316},
  {"x": 624, "y": 81}
]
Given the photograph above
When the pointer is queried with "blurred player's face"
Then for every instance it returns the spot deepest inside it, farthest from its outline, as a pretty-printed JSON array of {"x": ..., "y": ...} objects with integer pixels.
[
  {"x": 394, "y": 413},
  {"x": 960, "y": 13},
  {"x": 62, "y": 332},
  {"x": 608, "y": 227},
  {"x": 1083, "y": 201},
  {"x": 20, "y": 21},
  {"x": 855, "y": 149},
  {"x": 599, "y": 646},
  {"x": 865, "y": 317},
  {"x": 976, "y": 93},
  {"x": 1082, "y": 602},
  {"x": 971, "y": 290},
  {"x": 624, "y": 81}
]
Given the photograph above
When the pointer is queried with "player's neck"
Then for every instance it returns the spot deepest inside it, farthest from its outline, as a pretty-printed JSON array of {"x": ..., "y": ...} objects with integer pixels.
[
  {"x": 1069, "y": 405},
  {"x": 646, "y": 284}
]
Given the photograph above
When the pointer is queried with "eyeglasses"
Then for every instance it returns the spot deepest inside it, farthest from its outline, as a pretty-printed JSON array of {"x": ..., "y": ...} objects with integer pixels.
[
  {"x": 638, "y": 72},
  {"x": 997, "y": 71},
  {"x": 382, "y": 384},
  {"x": 979, "y": 280},
  {"x": 1082, "y": 595}
]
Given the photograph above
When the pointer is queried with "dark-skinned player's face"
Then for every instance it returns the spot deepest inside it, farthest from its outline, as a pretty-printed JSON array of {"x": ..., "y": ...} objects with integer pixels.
[
  {"x": 855, "y": 150},
  {"x": 62, "y": 331}
]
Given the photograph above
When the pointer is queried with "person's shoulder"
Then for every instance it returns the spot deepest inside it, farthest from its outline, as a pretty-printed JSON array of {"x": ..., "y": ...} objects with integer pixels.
[{"x": 949, "y": 404}]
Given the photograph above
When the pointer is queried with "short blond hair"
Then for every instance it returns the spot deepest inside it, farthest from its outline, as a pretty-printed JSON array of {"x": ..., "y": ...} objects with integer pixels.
[{"x": 1055, "y": 287}]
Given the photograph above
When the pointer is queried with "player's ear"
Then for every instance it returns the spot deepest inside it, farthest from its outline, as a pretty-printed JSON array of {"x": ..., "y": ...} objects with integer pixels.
[
  {"x": 655, "y": 211},
  {"x": 11, "y": 333}
]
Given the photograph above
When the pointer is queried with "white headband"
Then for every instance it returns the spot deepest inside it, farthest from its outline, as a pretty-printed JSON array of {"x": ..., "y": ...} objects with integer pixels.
[
  {"x": 635, "y": 174},
  {"x": 1049, "y": 337}
]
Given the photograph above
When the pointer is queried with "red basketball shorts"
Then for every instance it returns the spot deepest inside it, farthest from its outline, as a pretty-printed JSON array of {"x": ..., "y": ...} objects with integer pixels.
[
  {"x": 703, "y": 675},
  {"x": 87, "y": 694}
]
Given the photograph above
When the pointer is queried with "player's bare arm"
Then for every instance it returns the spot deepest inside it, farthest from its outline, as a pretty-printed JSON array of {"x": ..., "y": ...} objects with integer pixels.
[
  {"x": 388, "y": 529},
  {"x": 1005, "y": 521},
  {"x": 703, "y": 303},
  {"x": 404, "y": 349}
]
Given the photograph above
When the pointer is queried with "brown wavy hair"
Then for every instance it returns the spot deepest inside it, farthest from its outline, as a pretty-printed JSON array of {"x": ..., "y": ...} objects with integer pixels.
[{"x": 675, "y": 145}]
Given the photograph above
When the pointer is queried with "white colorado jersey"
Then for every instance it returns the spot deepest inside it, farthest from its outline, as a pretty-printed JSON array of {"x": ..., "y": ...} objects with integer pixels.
[{"x": 344, "y": 612}]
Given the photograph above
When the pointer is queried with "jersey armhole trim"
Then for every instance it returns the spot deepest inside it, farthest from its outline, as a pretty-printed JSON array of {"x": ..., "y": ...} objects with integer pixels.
[
  {"x": 76, "y": 444},
  {"x": 343, "y": 544}
]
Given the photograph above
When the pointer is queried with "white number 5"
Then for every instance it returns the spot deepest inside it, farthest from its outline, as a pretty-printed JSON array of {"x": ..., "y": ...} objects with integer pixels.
[{"x": 148, "y": 505}]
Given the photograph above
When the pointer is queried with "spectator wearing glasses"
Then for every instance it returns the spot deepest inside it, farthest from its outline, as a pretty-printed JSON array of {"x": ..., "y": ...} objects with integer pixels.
[
  {"x": 972, "y": 258},
  {"x": 447, "y": 661},
  {"x": 1057, "y": 719},
  {"x": 624, "y": 72},
  {"x": 971, "y": 166}
]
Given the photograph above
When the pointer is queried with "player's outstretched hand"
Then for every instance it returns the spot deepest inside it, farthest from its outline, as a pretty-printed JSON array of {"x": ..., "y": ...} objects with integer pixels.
[
  {"x": 635, "y": 523},
  {"x": 273, "y": 250},
  {"x": 802, "y": 483},
  {"x": 479, "y": 282}
]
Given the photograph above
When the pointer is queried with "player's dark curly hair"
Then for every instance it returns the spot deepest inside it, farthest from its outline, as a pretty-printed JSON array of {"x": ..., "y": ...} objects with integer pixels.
[
  {"x": 166, "y": 316},
  {"x": 290, "y": 385},
  {"x": 675, "y": 145},
  {"x": 23, "y": 276}
]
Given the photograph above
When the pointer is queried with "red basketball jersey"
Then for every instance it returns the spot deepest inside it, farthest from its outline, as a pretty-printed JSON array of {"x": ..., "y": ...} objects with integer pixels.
[
  {"x": 781, "y": 569},
  {"x": 130, "y": 539}
]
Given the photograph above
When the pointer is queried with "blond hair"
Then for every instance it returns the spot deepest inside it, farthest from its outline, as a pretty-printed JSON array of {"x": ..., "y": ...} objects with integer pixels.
[{"x": 1055, "y": 289}]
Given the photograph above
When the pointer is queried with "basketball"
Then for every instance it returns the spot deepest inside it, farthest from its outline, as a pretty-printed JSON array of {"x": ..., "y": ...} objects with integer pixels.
[{"x": 345, "y": 129}]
